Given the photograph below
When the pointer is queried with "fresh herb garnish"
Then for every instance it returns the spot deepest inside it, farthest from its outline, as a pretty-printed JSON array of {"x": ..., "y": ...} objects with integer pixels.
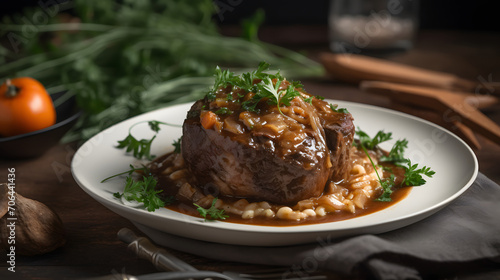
[
  {"x": 413, "y": 174},
  {"x": 211, "y": 95},
  {"x": 144, "y": 169},
  {"x": 267, "y": 89},
  {"x": 223, "y": 78},
  {"x": 177, "y": 145},
  {"x": 223, "y": 111},
  {"x": 370, "y": 143},
  {"x": 396, "y": 154},
  {"x": 309, "y": 99},
  {"x": 386, "y": 184},
  {"x": 290, "y": 93},
  {"x": 143, "y": 192},
  {"x": 211, "y": 213},
  {"x": 155, "y": 125},
  {"x": 141, "y": 148},
  {"x": 246, "y": 81},
  {"x": 338, "y": 110}
]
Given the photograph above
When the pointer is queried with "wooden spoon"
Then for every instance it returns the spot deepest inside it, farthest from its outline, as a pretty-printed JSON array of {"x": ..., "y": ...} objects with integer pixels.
[
  {"x": 356, "y": 68},
  {"x": 454, "y": 126},
  {"x": 450, "y": 104}
]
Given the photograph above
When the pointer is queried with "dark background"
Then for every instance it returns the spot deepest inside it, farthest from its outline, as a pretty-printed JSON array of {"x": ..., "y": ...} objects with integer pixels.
[{"x": 434, "y": 14}]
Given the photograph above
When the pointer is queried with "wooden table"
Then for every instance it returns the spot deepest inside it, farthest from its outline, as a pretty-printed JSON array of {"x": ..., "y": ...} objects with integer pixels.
[{"x": 92, "y": 248}]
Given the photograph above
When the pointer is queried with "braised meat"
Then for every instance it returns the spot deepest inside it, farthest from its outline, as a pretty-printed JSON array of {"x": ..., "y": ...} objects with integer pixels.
[{"x": 240, "y": 142}]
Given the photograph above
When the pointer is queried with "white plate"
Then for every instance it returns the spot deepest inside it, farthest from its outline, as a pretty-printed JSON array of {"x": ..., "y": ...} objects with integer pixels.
[{"x": 430, "y": 145}]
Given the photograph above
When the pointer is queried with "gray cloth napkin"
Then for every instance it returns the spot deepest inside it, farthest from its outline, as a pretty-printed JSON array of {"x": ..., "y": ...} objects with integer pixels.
[{"x": 461, "y": 239}]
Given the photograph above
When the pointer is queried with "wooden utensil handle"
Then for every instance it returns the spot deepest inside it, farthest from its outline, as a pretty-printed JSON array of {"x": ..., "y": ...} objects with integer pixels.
[
  {"x": 356, "y": 68},
  {"x": 443, "y": 101}
]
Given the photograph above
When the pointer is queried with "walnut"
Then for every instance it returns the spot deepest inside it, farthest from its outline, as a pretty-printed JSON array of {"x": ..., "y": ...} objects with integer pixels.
[{"x": 38, "y": 229}]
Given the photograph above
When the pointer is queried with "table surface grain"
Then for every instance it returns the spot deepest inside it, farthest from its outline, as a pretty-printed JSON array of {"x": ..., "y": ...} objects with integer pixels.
[{"x": 92, "y": 247}]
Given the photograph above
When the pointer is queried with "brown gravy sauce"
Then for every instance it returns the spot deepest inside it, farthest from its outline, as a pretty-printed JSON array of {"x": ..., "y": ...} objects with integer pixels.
[{"x": 372, "y": 206}]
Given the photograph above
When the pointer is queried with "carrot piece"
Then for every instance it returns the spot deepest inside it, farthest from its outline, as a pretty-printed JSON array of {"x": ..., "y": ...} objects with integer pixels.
[{"x": 208, "y": 119}]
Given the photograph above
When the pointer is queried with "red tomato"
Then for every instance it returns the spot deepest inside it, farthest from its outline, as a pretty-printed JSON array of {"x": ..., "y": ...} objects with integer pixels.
[{"x": 25, "y": 106}]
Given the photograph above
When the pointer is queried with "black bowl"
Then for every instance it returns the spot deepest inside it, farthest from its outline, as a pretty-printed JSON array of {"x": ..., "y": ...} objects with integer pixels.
[{"x": 36, "y": 143}]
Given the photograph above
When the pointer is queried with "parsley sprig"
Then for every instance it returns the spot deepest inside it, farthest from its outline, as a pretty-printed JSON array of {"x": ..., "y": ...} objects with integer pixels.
[
  {"x": 224, "y": 78},
  {"x": 275, "y": 96},
  {"x": 310, "y": 98},
  {"x": 211, "y": 213},
  {"x": 267, "y": 89},
  {"x": 396, "y": 154},
  {"x": 141, "y": 148},
  {"x": 413, "y": 174},
  {"x": 177, "y": 145},
  {"x": 370, "y": 143},
  {"x": 142, "y": 191},
  {"x": 265, "y": 86},
  {"x": 336, "y": 109}
]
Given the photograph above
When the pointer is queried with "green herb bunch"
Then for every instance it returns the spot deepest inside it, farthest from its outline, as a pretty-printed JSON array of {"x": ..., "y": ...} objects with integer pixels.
[{"x": 121, "y": 59}]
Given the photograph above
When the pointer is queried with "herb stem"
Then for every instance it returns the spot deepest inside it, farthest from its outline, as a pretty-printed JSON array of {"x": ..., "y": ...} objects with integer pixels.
[
  {"x": 371, "y": 161},
  {"x": 133, "y": 169},
  {"x": 137, "y": 123},
  {"x": 72, "y": 26},
  {"x": 92, "y": 48},
  {"x": 66, "y": 96}
]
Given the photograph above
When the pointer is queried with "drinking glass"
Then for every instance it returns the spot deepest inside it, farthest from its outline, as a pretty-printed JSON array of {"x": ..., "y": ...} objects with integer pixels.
[{"x": 372, "y": 27}]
